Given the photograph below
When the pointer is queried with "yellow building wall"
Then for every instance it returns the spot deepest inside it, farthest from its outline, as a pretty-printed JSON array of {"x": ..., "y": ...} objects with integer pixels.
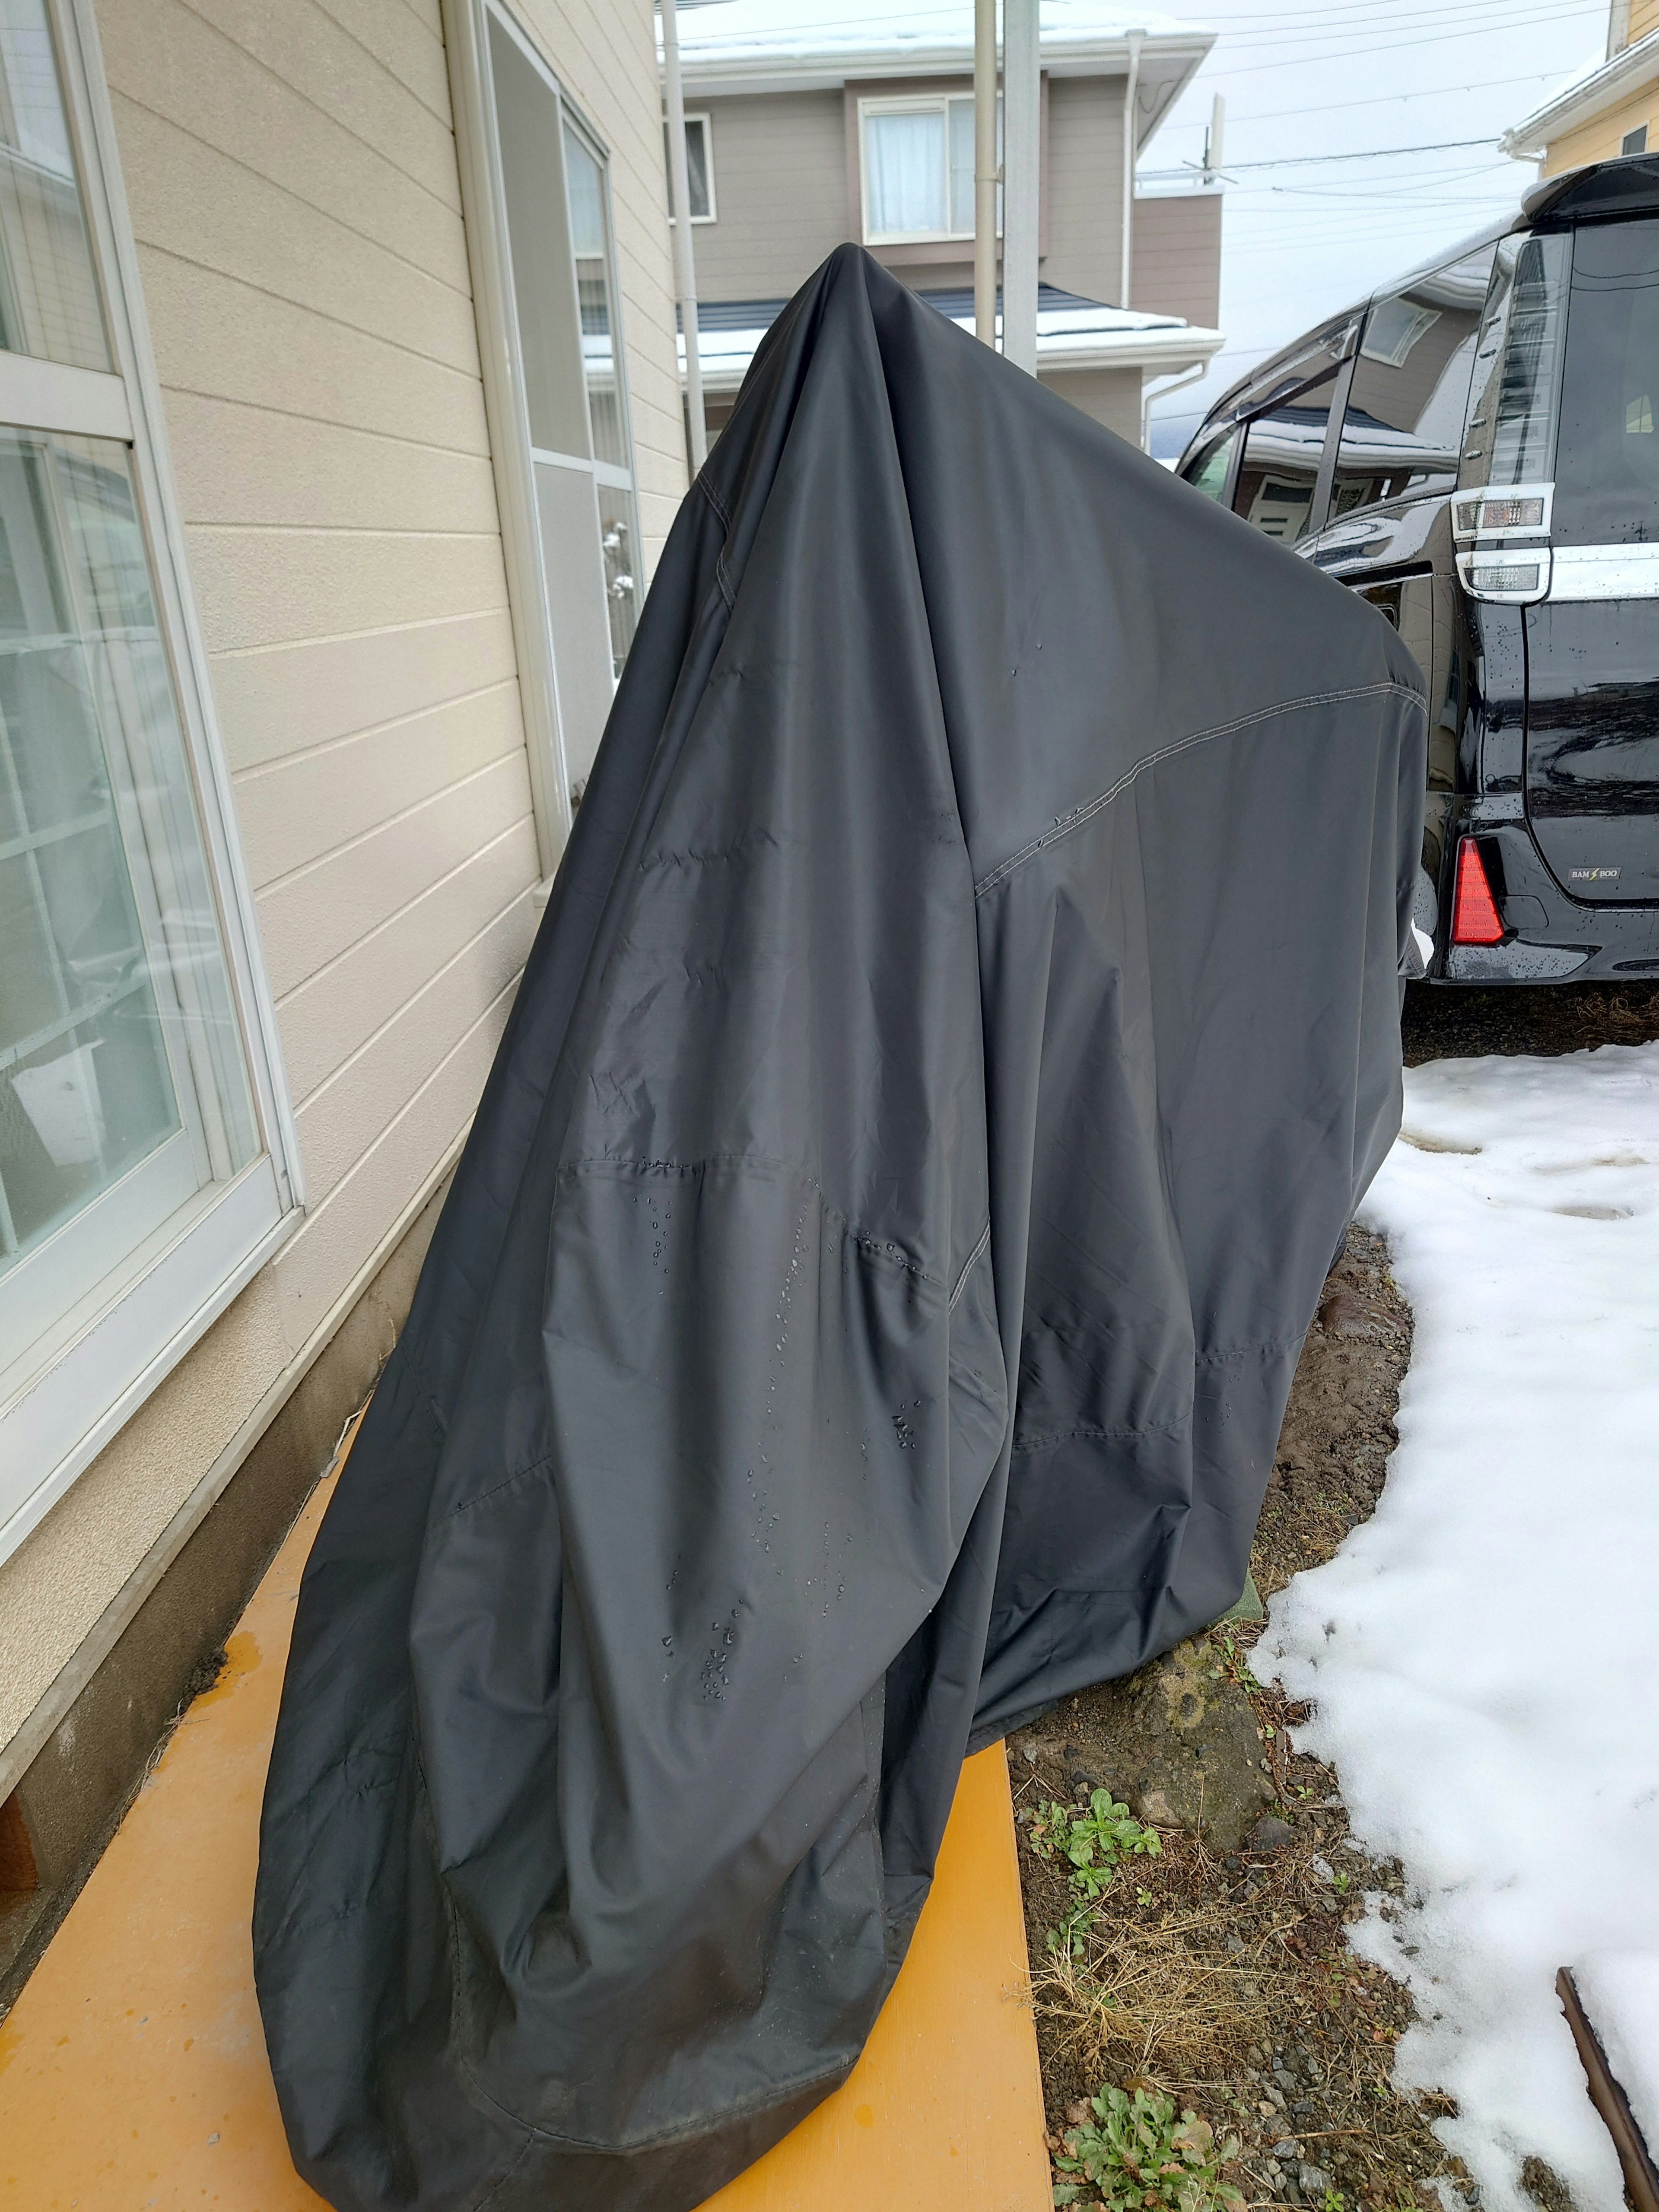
[
  {"x": 1598, "y": 140},
  {"x": 1644, "y": 17}
]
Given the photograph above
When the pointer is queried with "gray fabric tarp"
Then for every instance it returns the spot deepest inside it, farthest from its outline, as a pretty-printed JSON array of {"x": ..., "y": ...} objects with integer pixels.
[{"x": 965, "y": 1016}]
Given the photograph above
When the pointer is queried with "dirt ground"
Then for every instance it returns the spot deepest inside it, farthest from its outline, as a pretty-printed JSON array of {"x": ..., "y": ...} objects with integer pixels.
[
  {"x": 1442, "y": 1023},
  {"x": 1226, "y": 1980}
]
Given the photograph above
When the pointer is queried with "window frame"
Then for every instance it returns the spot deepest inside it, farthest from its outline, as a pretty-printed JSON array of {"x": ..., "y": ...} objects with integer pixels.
[
  {"x": 515, "y": 457},
  {"x": 919, "y": 103},
  {"x": 703, "y": 118},
  {"x": 68, "y": 1394}
]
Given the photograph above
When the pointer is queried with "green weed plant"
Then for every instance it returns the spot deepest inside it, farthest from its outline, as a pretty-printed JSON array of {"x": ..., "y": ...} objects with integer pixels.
[
  {"x": 1092, "y": 1843},
  {"x": 1136, "y": 2156}
]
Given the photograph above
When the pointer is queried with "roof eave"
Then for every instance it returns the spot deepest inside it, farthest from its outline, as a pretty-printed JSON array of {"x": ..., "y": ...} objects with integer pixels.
[
  {"x": 713, "y": 79},
  {"x": 1182, "y": 346},
  {"x": 1583, "y": 101}
]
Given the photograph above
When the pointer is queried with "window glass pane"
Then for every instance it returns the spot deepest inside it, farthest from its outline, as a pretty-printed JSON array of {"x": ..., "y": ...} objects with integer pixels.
[
  {"x": 1208, "y": 474},
  {"x": 577, "y": 608},
  {"x": 116, "y": 1038},
  {"x": 961, "y": 112},
  {"x": 539, "y": 245},
  {"x": 1280, "y": 462},
  {"x": 48, "y": 295},
  {"x": 904, "y": 163},
  {"x": 622, "y": 588},
  {"x": 590, "y": 242},
  {"x": 1510, "y": 437},
  {"x": 1403, "y": 426},
  {"x": 1607, "y": 462},
  {"x": 697, "y": 167}
]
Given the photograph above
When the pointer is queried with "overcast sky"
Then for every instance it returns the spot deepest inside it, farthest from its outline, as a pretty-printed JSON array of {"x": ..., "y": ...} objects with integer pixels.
[{"x": 1346, "y": 76}]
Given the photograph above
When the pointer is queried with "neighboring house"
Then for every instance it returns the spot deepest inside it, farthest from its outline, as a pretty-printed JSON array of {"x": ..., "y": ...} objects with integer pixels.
[
  {"x": 1612, "y": 109},
  {"x": 807, "y": 126},
  {"x": 339, "y": 426}
]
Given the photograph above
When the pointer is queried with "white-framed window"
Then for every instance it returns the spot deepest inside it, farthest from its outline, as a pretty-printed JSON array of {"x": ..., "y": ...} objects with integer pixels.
[
  {"x": 148, "y": 1163},
  {"x": 916, "y": 166},
  {"x": 699, "y": 167},
  {"x": 537, "y": 188}
]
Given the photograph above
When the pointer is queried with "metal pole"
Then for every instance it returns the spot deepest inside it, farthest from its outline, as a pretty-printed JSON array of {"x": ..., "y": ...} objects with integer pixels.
[
  {"x": 1212, "y": 143},
  {"x": 1021, "y": 96},
  {"x": 986, "y": 177},
  {"x": 1130, "y": 135},
  {"x": 685, "y": 274}
]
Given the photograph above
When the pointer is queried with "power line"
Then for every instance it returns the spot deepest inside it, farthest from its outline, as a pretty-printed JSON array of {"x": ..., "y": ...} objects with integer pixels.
[
  {"x": 1306, "y": 160},
  {"x": 1222, "y": 74},
  {"x": 1380, "y": 100}
]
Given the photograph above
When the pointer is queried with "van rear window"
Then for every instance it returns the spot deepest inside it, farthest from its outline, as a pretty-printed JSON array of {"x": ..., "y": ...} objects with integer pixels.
[{"x": 1607, "y": 463}]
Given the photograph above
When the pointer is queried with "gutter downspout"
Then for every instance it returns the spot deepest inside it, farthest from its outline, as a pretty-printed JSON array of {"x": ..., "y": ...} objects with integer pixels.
[
  {"x": 986, "y": 178},
  {"x": 1022, "y": 95},
  {"x": 1175, "y": 384},
  {"x": 1130, "y": 149},
  {"x": 685, "y": 274}
]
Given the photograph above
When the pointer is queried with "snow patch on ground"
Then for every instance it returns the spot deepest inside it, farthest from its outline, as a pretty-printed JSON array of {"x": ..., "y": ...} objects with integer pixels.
[
  {"x": 1619, "y": 1993},
  {"x": 1483, "y": 1653}
]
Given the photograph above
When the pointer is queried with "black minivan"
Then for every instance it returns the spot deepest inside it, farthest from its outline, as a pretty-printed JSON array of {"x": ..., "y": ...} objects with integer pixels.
[{"x": 1476, "y": 452}]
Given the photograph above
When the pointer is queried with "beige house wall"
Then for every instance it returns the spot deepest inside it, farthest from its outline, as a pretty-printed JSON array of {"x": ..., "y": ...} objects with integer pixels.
[
  {"x": 781, "y": 192},
  {"x": 292, "y": 178},
  {"x": 1644, "y": 17},
  {"x": 786, "y": 194},
  {"x": 1085, "y": 242},
  {"x": 1175, "y": 256},
  {"x": 1111, "y": 396},
  {"x": 1598, "y": 140}
]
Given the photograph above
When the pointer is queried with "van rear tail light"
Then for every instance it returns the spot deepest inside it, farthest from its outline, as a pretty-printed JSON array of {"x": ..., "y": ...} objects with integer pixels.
[
  {"x": 1475, "y": 514},
  {"x": 1511, "y": 511},
  {"x": 1475, "y": 918},
  {"x": 1503, "y": 576}
]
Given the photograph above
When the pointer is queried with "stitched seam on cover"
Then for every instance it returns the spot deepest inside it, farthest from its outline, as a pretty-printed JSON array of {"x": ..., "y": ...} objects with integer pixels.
[
  {"x": 1259, "y": 1347},
  {"x": 480, "y": 1496},
  {"x": 968, "y": 1265},
  {"x": 878, "y": 1247},
  {"x": 1086, "y": 813},
  {"x": 1100, "y": 1436},
  {"x": 722, "y": 575}
]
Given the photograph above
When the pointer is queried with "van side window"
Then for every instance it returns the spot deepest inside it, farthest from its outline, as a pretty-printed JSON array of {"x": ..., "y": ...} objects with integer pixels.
[
  {"x": 1279, "y": 467},
  {"x": 1402, "y": 427},
  {"x": 1208, "y": 472}
]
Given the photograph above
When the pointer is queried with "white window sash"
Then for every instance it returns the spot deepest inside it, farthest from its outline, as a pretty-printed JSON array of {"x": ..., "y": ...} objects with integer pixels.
[
  {"x": 938, "y": 104},
  {"x": 62, "y": 1401}
]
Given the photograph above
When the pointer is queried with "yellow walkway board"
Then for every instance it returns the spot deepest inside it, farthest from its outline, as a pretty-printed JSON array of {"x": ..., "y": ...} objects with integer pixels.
[{"x": 133, "y": 2069}]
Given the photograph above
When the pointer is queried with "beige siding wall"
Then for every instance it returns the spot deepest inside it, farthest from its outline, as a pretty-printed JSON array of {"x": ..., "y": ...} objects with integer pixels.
[
  {"x": 1175, "y": 256},
  {"x": 1644, "y": 18},
  {"x": 785, "y": 193},
  {"x": 1111, "y": 396},
  {"x": 781, "y": 193},
  {"x": 1598, "y": 140},
  {"x": 1085, "y": 187},
  {"x": 292, "y": 178}
]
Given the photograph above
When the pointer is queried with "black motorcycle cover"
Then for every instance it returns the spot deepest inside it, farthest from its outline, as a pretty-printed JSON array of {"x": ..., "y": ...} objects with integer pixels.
[{"x": 964, "y": 1019}]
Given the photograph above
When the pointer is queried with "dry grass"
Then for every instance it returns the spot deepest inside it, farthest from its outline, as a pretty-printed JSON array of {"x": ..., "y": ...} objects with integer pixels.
[{"x": 1157, "y": 1996}]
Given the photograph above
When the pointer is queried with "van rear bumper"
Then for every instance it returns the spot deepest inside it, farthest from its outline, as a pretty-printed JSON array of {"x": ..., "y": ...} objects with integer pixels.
[{"x": 1548, "y": 937}]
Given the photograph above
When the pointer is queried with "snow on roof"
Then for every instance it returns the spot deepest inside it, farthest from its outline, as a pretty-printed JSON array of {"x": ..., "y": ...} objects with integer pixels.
[
  {"x": 743, "y": 33},
  {"x": 1072, "y": 332}
]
